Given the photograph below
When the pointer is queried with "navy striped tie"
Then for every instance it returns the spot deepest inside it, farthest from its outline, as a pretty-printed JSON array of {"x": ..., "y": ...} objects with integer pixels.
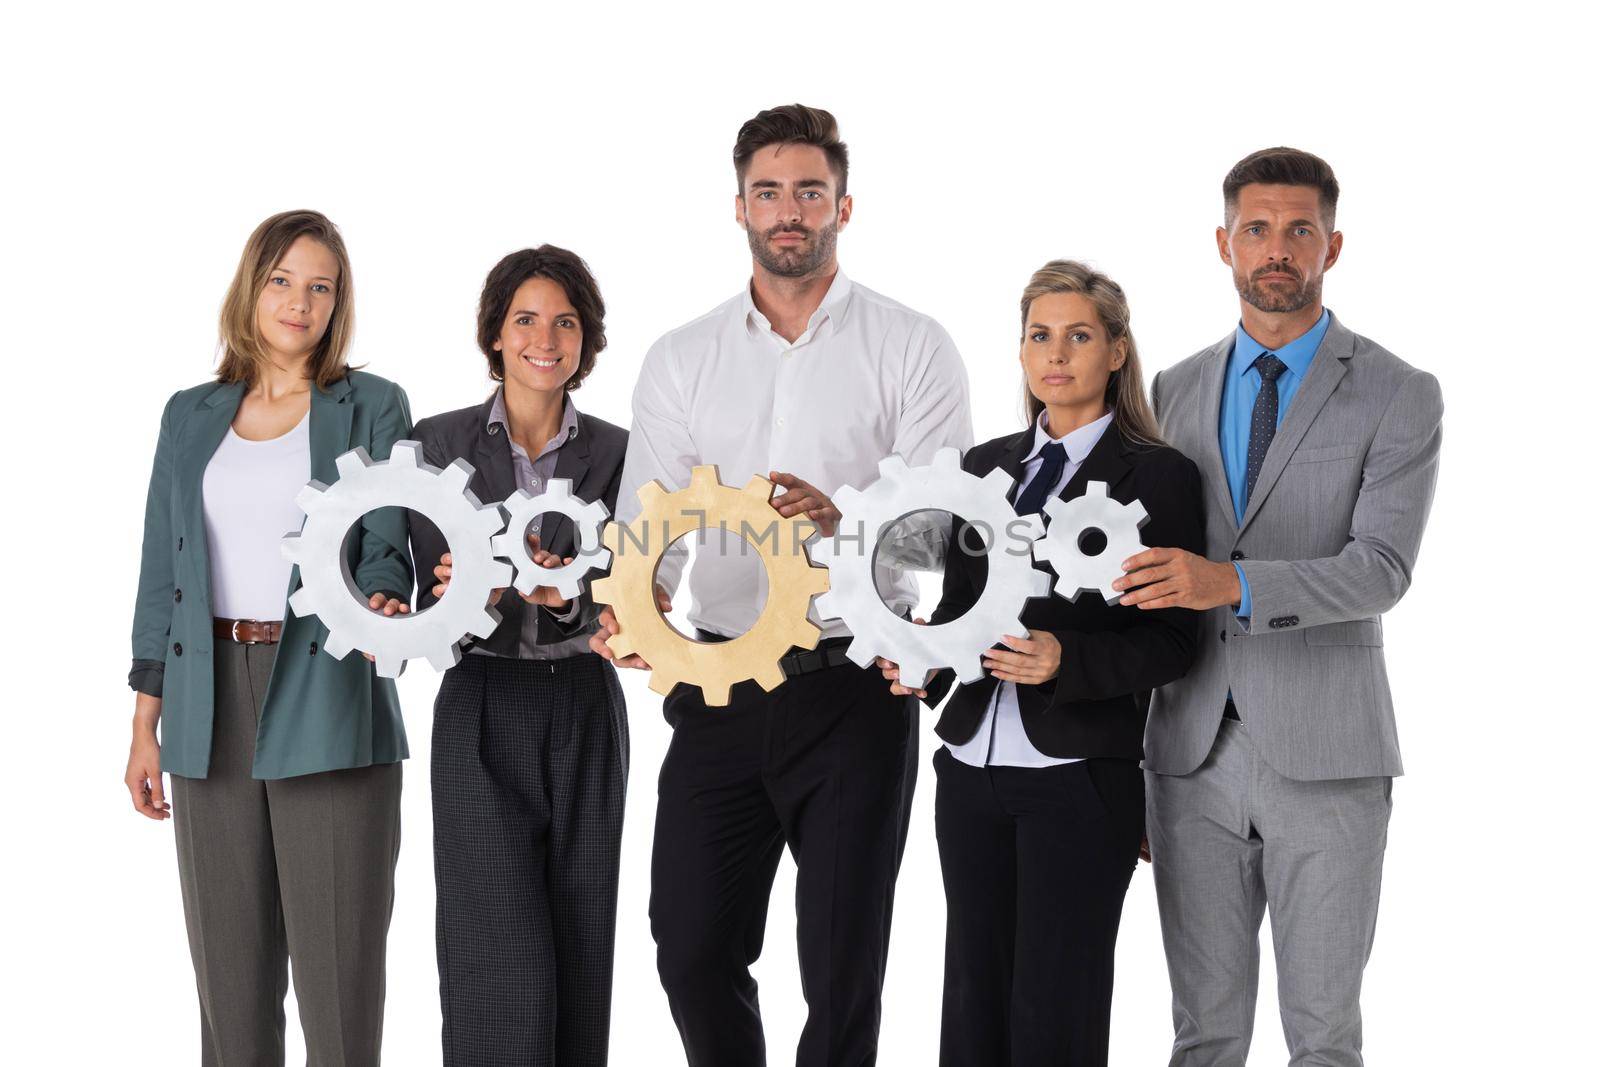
[{"x": 1263, "y": 419}]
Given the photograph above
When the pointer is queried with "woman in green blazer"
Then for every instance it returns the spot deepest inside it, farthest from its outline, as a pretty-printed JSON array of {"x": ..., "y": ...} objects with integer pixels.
[{"x": 284, "y": 761}]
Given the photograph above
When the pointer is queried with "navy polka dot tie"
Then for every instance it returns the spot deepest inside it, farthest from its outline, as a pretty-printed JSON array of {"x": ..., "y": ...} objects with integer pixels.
[{"x": 1263, "y": 419}]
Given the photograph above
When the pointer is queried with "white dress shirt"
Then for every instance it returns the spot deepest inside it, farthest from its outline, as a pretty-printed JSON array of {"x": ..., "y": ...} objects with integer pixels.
[
  {"x": 867, "y": 378},
  {"x": 1001, "y": 740}
]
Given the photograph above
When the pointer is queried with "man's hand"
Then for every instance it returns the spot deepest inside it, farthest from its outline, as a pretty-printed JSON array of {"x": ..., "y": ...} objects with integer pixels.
[
  {"x": 1036, "y": 659},
  {"x": 891, "y": 674},
  {"x": 608, "y": 627},
  {"x": 803, "y": 497},
  {"x": 1173, "y": 578}
]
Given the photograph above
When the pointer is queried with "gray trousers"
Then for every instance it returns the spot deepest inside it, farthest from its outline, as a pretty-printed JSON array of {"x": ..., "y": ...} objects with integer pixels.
[
  {"x": 295, "y": 870},
  {"x": 1234, "y": 839}
]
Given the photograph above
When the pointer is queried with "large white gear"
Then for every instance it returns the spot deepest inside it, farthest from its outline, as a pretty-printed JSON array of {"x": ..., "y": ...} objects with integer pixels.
[
  {"x": 1076, "y": 571},
  {"x": 522, "y": 507},
  {"x": 941, "y": 486},
  {"x": 328, "y": 590}
]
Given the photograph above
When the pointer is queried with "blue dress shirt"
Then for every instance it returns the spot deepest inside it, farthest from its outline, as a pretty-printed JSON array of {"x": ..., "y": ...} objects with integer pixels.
[{"x": 1239, "y": 391}]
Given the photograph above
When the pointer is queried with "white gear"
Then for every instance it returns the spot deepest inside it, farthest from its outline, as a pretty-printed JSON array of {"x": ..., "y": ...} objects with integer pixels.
[
  {"x": 1075, "y": 570},
  {"x": 328, "y": 591},
  {"x": 941, "y": 486},
  {"x": 522, "y": 507}
]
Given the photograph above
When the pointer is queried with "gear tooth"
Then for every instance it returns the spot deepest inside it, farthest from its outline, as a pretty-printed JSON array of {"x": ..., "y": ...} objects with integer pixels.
[
  {"x": 353, "y": 462},
  {"x": 892, "y": 465},
  {"x": 570, "y": 588},
  {"x": 409, "y": 454},
  {"x": 998, "y": 481},
  {"x": 704, "y": 476},
  {"x": 611, "y": 536},
  {"x": 971, "y": 671},
  {"x": 1034, "y": 527},
  {"x": 859, "y": 653},
  {"x": 947, "y": 459},
  {"x": 662, "y": 682},
  {"x": 558, "y": 488},
  {"x": 485, "y": 623},
  {"x": 1135, "y": 510},
  {"x": 820, "y": 580},
  {"x": 620, "y": 645},
  {"x": 1054, "y": 508},
  {"x": 824, "y": 605},
  {"x": 1095, "y": 489},
  {"x": 457, "y": 475},
  {"x": 499, "y": 575},
  {"x": 441, "y": 659},
  {"x": 302, "y": 602},
  {"x": 759, "y": 488},
  {"x": 769, "y": 677},
  {"x": 337, "y": 646},
  {"x": 391, "y": 666},
  {"x": 847, "y": 499},
  {"x": 594, "y": 513},
  {"x": 309, "y": 494},
  {"x": 1109, "y": 595},
  {"x": 600, "y": 560},
  {"x": 290, "y": 547},
  {"x": 650, "y": 492},
  {"x": 601, "y": 590},
  {"x": 502, "y": 544},
  {"x": 1041, "y": 583}
]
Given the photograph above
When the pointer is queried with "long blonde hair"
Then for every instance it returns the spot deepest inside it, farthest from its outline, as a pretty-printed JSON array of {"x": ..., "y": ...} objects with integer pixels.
[
  {"x": 1125, "y": 394},
  {"x": 243, "y": 354}
]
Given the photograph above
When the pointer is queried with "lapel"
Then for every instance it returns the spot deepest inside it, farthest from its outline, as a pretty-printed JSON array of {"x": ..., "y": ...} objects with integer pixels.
[
  {"x": 332, "y": 412},
  {"x": 1327, "y": 370},
  {"x": 1012, "y": 458},
  {"x": 1104, "y": 463},
  {"x": 493, "y": 478},
  {"x": 1213, "y": 373},
  {"x": 203, "y": 432},
  {"x": 572, "y": 463}
]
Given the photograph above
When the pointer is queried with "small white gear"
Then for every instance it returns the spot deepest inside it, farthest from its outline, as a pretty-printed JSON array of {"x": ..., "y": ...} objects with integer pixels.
[
  {"x": 328, "y": 590},
  {"x": 522, "y": 507},
  {"x": 1077, "y": 571},
  {"x": 941, "y": 486}
]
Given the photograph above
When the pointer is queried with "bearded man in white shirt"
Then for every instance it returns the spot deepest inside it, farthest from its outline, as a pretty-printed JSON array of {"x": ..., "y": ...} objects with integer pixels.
[{"x": 809, "y": 379}]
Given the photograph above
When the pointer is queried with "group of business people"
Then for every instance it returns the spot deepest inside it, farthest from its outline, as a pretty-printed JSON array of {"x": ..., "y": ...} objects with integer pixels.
[{"x": 1287, "y": 471}]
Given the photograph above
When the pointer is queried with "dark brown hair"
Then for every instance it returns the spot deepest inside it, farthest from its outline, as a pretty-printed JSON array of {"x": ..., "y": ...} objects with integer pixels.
[
  {"x": 566, "y": 270},
  {"x": 243, "y": 354},
  {"x": 792, "y": 124},
  {"x": 1281, "y": 166},
  {"x": 1125, "y": 397}
]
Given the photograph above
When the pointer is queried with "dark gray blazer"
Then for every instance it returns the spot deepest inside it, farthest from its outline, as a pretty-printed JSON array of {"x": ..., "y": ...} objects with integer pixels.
[
  {"x": 593, "y": 462},
  {"x": 1328, "y": 544}
]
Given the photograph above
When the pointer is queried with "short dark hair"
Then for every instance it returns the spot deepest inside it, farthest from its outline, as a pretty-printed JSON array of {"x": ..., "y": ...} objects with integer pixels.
[
  {"x": 792, "y": 124},
  {"x": 1281, "y": 166},
  {"x": 566, "y": 270}
]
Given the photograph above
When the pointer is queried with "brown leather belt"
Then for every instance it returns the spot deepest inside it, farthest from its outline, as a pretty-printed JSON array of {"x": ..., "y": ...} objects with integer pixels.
[{"x": 248, "y": 631}]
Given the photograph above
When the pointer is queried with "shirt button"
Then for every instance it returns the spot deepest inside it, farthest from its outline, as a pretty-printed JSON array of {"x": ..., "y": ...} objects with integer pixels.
[
  {"x": 780, "y": 420},
  {"x": 1236, "y": 555},
  {"x": 1224, "y": 637},
  {"x": 177, "y": 649},
  {"x": 177, "y": 596},
  {"x": 313, "y": 648}
]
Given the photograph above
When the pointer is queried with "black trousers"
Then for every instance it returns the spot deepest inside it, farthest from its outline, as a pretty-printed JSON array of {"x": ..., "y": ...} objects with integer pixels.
[
  {"x": 1036, "y": 861},
  {"x": 825, "y": 764},
  {"x": 530, "y": 769}
]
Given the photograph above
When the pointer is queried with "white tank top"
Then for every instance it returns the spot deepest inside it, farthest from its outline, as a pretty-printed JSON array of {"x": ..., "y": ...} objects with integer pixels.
[{"x": 249, "y": 490}]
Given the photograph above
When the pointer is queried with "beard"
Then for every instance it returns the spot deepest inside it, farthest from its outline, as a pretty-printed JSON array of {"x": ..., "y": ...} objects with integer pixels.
[
  {"x": 1276, "y": 296},
  {"x": 805, "y": 258}
]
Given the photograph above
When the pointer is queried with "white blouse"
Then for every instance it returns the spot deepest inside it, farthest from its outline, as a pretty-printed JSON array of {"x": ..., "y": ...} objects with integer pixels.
[{"x": 249, "y": 490}]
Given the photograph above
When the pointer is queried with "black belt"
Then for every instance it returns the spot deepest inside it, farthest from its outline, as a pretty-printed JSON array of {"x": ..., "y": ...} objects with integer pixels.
[
  {"x": 830, "y": 652},
  {"x": 1231, "y": 712}
]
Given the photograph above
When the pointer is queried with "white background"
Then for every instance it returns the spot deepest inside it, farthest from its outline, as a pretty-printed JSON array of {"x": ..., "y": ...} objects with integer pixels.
[{"x": 143, "y": 143}]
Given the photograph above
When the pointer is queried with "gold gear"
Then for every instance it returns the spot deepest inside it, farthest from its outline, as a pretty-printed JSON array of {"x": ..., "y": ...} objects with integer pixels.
[{"x": 714, "y": 666}]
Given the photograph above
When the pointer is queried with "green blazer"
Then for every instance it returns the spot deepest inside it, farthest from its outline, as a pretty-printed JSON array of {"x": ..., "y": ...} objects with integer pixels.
[{"x": 320, "y": 713}]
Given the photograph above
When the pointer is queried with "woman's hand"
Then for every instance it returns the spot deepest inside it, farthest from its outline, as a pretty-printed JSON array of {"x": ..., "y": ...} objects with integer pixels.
[
  {"x": 608, "y": 627},
  {"x": 891, "y": 674},
  {"x": 1036, "y": 659},
  {"x": 441, "y": 571},
  {"x": 388, "y": 605},
  {"x": 546, "y": 595},
  {"x": 143, "y": 777}
]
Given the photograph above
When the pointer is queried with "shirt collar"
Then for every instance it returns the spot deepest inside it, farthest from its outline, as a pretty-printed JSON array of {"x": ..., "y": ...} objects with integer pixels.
[
  {"x": 1296, "y": 355},
  {"x": 834, "y": 303},
  {"x": 569, "y": 421},
  {"x": 1079, "y": 443}
]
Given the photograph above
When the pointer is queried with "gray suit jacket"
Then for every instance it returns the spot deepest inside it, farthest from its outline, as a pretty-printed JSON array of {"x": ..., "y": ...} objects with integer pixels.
[{"x": 1328, "y": 544}]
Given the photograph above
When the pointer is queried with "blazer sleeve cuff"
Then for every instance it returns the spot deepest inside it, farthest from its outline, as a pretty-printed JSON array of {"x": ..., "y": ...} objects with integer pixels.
[{"x": 147, "y": 676}]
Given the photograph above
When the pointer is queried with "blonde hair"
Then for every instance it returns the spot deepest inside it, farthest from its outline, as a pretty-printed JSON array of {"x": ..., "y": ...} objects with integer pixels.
[
  {"x": 243, "y": 354},
  {"x": 1125, "y": 395}
]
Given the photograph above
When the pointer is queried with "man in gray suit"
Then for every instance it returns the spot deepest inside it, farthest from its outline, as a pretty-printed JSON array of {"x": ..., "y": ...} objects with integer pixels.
[{"x": 1269, "y": 766}]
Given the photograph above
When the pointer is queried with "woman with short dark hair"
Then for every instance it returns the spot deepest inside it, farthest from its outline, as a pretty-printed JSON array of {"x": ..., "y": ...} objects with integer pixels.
[
  {"x": 530, "y": 737},
  {"x": 284, "y": 760}
]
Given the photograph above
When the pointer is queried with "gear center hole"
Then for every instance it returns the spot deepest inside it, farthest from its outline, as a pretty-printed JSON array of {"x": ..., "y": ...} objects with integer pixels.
[
  {"x": 907, "y": 560},
  {"x": 1092, "y": 541},
  {"x": 726, "y": 551},
  {"x": 387, "y": 517}
]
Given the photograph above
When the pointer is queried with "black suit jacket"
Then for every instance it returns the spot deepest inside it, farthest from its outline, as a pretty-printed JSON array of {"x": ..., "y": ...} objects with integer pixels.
[
  {"x": 1111, "y": 656},
  {"x": 592, "y": 460}
]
